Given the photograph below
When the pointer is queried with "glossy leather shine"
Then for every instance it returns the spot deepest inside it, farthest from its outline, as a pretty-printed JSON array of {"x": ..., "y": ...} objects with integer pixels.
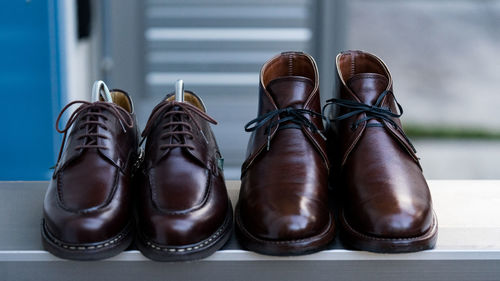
[
  {"x": 385, "y": 195},
  {"x": 182, "y": 198},
  {"x": 89, "y": 199},
  {"x": 283, "y": 202}
]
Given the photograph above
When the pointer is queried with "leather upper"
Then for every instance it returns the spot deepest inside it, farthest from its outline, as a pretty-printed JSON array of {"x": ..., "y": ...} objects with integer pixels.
[
  {"x": 89, "y": 198},
  {"x": 385, "y": 192},
  {"x": 183, "y": 197},
  {"x": 283, "y": 194}
]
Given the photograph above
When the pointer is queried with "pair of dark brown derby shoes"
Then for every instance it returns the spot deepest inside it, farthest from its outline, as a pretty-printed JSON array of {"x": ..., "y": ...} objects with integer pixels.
[
  {"x": 379, "y": 194},
  {"x": 102, "y": 193}
]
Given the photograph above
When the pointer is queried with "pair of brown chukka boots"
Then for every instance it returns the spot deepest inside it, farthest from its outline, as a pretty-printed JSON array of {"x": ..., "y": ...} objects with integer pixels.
[{"x": 381, "y": 197}]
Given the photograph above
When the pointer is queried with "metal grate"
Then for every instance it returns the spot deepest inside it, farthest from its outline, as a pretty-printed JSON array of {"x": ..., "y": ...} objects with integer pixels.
[{"x": 217, "y": 47}]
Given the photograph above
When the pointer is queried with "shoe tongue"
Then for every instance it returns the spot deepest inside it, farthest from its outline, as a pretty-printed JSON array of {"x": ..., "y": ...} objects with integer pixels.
[
  {"x": 290, "y": 91},
  {"x": 368, "y": 86}
]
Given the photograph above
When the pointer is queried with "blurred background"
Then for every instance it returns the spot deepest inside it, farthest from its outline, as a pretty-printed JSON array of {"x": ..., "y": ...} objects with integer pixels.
[{"x": 444, "y": 57}]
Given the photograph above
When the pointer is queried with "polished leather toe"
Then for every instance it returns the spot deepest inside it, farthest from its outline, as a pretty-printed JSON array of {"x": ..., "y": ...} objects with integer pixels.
[
  {"x": 187, "y": 225},
  {"x": 98, "y": 220},
  {"x": 301, "y": 218},
  {"x": 402, "y": 220},
  {"x": 78, "y": 229},
  {"x": 385, "y": 198}
]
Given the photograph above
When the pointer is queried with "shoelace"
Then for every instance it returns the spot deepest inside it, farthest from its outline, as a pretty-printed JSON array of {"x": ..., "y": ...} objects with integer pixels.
[
  {"x": 372, "y": 112},
  {"x": 296, "y": 117},
  {"x": 177, "y": 126},
  {"x": 90, "y": 112}
]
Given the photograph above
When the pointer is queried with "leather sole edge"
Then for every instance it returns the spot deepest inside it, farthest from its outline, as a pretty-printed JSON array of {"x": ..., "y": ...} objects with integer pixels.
[
  {"x": 352, "y": 238},
  {"x": 88, "y": 251},
  {"x": 196, "y": 251}
]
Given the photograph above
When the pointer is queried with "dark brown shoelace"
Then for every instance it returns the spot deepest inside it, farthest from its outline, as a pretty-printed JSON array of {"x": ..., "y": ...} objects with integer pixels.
[
  {"x": 92, "y": 118},
  {"x": 178, "y": 125}
]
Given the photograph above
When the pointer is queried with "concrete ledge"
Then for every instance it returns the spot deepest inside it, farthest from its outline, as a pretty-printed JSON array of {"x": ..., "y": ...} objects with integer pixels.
[{"x": 468, "y": 247}]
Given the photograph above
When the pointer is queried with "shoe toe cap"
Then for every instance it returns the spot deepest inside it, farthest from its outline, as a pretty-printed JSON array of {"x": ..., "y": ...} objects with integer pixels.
[
  {"x": 391, "y": 221},
  {"x": 83, "y": 230},
  {"x": 286, "y": 219},
  {"x": 176, "y": 229}
]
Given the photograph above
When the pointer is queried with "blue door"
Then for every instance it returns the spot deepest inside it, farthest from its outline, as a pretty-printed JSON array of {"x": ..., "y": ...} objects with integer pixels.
[{"x": 30, "y": 86}]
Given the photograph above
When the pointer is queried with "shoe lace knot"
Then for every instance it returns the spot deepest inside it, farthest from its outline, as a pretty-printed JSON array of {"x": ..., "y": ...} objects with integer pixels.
[
  {"x": 375, "y": 111},
  {"x": 289, "y": 117}
]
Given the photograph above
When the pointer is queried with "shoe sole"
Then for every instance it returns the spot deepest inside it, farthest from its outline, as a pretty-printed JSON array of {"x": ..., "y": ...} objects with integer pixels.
[
  {"x": 354, "y": 239},
  {"x": 196, "y": 251},
  {"x": 284, "y": 247},
  {"x": 88, "y": 251}
]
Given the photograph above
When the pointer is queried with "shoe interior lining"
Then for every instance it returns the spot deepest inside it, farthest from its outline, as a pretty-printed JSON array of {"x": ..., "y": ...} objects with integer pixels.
[
  {"x": 121, "y": 99},
  {"x": 355, "y": 62},
  {"x": 289, "y": 64},
  {"x": 190, "y": 98}
]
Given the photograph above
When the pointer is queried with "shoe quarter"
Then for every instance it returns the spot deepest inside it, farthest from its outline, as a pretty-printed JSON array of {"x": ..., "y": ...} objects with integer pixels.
[{"x": 258, "y": 138}]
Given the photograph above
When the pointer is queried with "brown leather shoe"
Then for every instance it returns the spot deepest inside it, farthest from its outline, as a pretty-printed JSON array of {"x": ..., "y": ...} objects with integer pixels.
[
  {"x": 386, "y": 204},
  {"x": 184, "y": 212},
  {"x": 87, "y": 212},
  {"x": 283, "y": 203}
]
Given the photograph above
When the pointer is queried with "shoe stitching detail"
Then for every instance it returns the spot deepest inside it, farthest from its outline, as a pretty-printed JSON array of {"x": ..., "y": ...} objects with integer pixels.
[
  {"x": 185, "y": 249},
  {"x": 199, "y": 205},
  {"x": 290, "y": 64},
  {"x": 108, "y": 200},
  {"x": 204, "y": 243},
  {"x": 76, "y": 247}
]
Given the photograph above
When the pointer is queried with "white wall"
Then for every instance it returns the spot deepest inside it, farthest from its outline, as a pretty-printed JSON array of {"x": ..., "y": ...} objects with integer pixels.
[{"x": 77, "y": 62}]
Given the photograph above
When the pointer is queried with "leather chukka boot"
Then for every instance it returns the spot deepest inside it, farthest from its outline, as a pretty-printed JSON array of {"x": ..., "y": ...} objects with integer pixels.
[
  {"x": 386, "y": 205},
  {"x": 183, "y": 209},
  {"x": 283, "y": 202},
  {"x": 87, "y": 212}
]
